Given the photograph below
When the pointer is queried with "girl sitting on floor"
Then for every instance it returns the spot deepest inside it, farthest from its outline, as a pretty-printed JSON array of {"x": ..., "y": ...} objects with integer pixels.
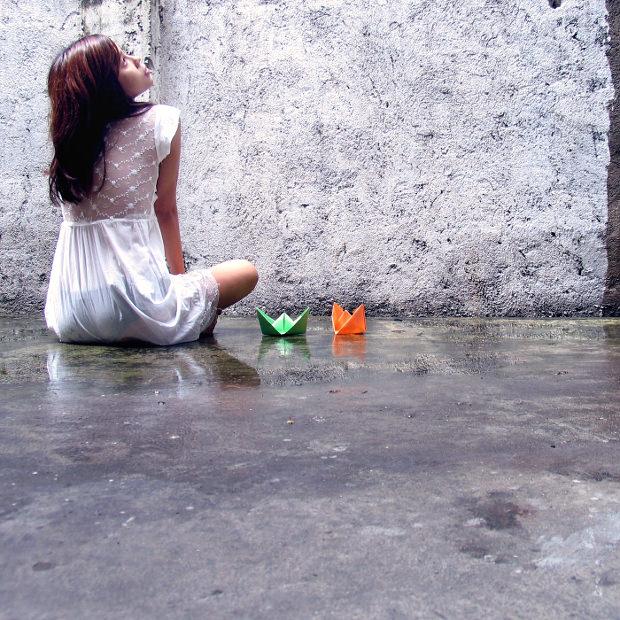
[{"x": 118, "y": 272}]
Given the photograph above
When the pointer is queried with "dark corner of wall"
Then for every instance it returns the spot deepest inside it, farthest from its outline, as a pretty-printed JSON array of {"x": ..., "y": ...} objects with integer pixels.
[{"x": 611, "y": 298}]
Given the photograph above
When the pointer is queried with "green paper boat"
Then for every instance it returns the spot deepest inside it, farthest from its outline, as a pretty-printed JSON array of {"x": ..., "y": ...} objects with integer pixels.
[{"x": 283, "y": 325}]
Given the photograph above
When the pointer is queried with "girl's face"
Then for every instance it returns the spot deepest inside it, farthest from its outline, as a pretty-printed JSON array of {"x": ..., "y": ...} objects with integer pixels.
[{"x": 133, "y": 75}]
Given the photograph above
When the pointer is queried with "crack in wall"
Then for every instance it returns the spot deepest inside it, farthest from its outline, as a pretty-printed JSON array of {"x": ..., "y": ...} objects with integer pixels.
[
  {"x": 133, "y": 24},
  {"x": 611, "y": 298}
]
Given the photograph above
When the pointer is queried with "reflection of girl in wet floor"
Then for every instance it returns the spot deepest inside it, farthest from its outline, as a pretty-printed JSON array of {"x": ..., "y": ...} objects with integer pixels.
[
  {"x": 118, "y": 271},
  {"x": 184, "y": 367}
]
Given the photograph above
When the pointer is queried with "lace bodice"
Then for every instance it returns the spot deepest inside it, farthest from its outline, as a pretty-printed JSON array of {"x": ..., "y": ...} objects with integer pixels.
[{"x": 134, "y": 148}]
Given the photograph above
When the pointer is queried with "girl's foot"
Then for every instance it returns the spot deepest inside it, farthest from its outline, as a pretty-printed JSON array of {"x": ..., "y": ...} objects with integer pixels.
[{"x": 208, "y": 330}]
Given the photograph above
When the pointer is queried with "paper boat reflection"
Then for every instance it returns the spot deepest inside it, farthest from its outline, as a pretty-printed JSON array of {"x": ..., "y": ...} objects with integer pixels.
[
  {"x": 349, "y": 346},
  {"x": 294, "y": 346}
]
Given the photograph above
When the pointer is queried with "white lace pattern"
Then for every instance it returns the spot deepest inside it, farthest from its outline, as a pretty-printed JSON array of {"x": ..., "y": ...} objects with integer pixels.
[{"x": 131, "y": 173}]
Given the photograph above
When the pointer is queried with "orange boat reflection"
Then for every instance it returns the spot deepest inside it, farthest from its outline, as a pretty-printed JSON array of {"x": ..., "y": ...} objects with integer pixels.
[{"x": 349, "y": 346}]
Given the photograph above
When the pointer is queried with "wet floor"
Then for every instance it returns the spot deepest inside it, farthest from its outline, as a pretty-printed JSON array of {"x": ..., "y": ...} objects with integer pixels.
[{"x": 432, "y": 468}]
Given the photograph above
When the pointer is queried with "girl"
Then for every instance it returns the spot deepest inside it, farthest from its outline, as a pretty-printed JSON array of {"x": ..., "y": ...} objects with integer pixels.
[{"x": 118, "y": 271}]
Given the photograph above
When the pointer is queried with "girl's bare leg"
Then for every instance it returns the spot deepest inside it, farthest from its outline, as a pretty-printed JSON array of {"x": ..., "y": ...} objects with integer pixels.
[{"x": 236, "y": 279}]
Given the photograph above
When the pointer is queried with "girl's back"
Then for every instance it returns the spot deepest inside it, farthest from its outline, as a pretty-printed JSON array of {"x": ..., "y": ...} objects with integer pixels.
[{"x": 134, "y": 148}]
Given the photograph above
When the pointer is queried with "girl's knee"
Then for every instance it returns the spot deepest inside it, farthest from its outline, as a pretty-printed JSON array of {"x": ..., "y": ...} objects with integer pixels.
[
  {"x": 236, "y": 279},
  {"x": 248, "y": 271},
  {"x": 252, "y": 274}
]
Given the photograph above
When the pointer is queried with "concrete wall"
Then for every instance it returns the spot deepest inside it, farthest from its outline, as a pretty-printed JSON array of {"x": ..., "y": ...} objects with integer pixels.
[
  {"x": 30, "y": 36},
  {"x": 421, "y": 156}
]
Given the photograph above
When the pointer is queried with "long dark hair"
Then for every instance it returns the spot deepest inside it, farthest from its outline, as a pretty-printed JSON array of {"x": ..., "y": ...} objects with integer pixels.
[{"x": 85, "y": 95}]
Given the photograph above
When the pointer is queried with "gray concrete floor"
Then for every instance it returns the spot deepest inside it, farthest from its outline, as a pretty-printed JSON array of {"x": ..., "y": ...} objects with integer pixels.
[{"x": 431, "y": 469}]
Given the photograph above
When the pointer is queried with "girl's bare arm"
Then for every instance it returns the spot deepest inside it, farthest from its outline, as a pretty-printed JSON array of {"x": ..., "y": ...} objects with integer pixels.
[{"x": 166, "y": 206}]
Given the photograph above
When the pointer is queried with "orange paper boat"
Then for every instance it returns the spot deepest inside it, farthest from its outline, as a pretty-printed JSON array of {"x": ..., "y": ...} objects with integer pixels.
[{"x": 345, "y": 323}]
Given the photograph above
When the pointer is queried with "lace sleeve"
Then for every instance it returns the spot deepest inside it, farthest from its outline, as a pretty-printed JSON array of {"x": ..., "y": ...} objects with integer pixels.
[{"x": 166, "y": 124}]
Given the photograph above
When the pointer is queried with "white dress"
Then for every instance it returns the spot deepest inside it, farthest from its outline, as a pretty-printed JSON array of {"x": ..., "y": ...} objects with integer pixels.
[{"x": 110, "y": 281}]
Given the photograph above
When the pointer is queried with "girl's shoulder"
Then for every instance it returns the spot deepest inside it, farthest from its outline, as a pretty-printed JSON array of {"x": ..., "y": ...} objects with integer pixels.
[
  {"x": 155, "y": 114},
  {"x": 164, "y": 119},
  {"x": 163, "y": 111},
  {"x": 166, "y": 124},
  {"x": 160, "y": 121},
  {"x": 163, "y": 108}
]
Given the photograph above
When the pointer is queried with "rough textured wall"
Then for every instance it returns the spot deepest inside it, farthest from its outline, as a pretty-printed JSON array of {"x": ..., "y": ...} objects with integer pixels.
[
  {"x": 423, "y": 156},
  {"x": 30, "y": 36}
]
